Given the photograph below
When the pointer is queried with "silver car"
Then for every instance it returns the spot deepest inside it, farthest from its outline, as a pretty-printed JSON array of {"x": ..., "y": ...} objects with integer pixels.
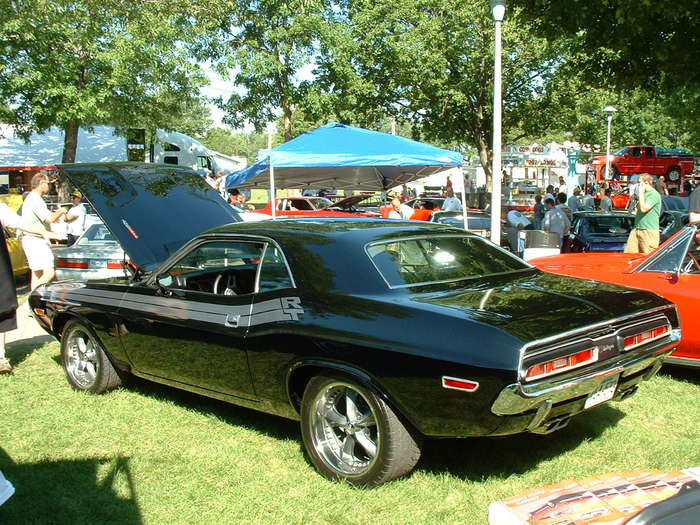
[{"x": 95, "y": 255}]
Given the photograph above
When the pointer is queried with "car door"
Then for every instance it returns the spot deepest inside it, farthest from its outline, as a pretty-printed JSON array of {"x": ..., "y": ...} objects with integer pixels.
[
  {"x": 189, "y": 326},
  {"x": 277, "y": 314},
  {"x": 675, "y": 275}
]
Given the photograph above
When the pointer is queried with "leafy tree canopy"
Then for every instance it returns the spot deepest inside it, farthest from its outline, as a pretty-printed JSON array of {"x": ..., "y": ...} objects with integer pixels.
[
  {"x": 431, "y": 64},
  {"x": 73, "y": 63},
  {"x": 629, "y": 41}
]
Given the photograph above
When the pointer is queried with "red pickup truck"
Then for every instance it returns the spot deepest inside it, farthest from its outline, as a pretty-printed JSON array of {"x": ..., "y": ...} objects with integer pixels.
[{"x": 675, "y": 165}]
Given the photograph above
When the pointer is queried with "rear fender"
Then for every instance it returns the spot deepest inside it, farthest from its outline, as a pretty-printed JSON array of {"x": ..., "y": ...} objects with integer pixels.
[{"x": 301, "y": 372}]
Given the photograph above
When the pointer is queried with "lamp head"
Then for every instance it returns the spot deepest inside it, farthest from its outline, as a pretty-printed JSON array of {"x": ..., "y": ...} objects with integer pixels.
[
  {"x": 609, "y": 110},
  {"x": 498, "y": 9}
]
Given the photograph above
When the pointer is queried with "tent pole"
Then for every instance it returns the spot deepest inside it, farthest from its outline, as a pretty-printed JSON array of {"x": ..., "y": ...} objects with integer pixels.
[
  {"x": 273, "y": 192},
  {"x": 464, "y": 200}
]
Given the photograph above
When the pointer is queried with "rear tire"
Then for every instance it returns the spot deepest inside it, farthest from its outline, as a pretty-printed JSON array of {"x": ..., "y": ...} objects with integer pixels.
[
  {"x": 352, "y": 435},
  {"x": 85, "y": 362},
  {"x": 674, "y": 175}
]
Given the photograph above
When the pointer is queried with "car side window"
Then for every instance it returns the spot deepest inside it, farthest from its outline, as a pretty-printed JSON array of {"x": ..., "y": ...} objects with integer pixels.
[
  {"x": 274, "y": 273},
  {"x": 219, "y": 267},
  {"x": 669, "y": 262}
]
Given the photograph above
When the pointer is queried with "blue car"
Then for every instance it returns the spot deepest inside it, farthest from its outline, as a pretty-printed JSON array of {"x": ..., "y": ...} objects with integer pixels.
[{"x": 595, "y": 231}]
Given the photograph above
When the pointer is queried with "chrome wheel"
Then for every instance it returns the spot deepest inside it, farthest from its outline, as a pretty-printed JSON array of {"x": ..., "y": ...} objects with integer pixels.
[
  {"x": 82, "y": 361},
  {"x": 344, "y": 429}
]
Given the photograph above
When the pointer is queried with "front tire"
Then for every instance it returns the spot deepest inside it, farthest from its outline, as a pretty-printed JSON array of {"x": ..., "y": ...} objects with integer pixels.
[
  {"x": 87, "y": 367},
  {"x": 351, "y": 434}
]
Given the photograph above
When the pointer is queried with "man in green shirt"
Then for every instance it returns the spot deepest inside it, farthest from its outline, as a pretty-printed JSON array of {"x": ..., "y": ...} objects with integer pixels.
[{"x": 644, "y": 237}]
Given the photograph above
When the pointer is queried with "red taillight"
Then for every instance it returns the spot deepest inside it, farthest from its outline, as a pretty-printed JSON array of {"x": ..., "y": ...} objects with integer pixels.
[
  {"x": 561, "y": 364},
  {"x": 114, "y": 265},
  {"x": 62, "y": 262},
  {"x": 456, "y": 383},
  {"x": 633, "y": 341}
]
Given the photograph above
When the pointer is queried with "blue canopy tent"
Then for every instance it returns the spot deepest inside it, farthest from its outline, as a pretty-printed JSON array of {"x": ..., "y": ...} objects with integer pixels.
[{"x": 345, "y": 157}]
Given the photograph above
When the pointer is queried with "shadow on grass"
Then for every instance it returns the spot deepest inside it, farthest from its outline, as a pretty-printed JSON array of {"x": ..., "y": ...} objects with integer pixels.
[
  {"x": 273, "y": 426},
  {"x": 85, "y": 491},
  {"x": 477, "y": 458},
  {"x": 18, "y": 351},
  {"x": 690, "y": 375}
]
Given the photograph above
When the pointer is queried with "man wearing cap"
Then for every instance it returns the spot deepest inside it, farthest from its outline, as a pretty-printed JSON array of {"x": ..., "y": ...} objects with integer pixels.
[
  {"x": 75, "y": 218},
  {"x": 36, "y": 214}
]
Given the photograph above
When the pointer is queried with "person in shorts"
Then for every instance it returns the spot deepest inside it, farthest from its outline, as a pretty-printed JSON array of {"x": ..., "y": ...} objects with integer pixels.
[
  {"x": 644, "y": 237},
  {"x": 36, "y": 214}
]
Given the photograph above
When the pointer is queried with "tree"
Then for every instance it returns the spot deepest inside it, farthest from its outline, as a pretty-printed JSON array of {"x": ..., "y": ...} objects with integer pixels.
[
  {"x": 261, "y": 47},
  {"x": 629, "y": 41},
  {"x": 73, "y": 63},
  {"x": 431, "y": 64}
]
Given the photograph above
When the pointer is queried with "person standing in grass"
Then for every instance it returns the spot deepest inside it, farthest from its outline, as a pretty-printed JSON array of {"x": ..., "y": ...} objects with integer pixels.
[
  {"x": 644, "y": 237},
  {"x": 8, "y": 293}
]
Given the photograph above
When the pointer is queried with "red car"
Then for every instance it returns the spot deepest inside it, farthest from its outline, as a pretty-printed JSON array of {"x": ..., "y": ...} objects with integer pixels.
[
  {"x": 318, "y": 207},
  {"x": 672, "y": 271}
]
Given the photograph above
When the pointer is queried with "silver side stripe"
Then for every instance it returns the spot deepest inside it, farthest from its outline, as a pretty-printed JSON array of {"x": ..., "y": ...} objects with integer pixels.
[{"x": 270, "y": 311}]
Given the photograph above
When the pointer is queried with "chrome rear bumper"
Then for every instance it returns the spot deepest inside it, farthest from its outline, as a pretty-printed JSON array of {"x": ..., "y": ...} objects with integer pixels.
[{"x": 539, "y": 397}]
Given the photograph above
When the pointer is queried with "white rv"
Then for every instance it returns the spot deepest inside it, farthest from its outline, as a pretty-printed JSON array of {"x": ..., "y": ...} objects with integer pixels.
[{"x": 103, "y": 145}]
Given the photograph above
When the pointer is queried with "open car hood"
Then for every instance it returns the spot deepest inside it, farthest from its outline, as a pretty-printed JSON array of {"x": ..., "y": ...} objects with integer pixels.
[
  {"x": 347, "y": 202},
  {"x": 152, "y": 209}
]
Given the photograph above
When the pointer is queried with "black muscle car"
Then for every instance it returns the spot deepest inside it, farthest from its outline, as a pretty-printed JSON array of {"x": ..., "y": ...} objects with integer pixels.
[{"x": 374, "y": 334}]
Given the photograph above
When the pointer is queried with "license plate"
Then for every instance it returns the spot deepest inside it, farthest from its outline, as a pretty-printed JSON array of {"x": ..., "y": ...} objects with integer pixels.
[{"x": 603, "y": 393}]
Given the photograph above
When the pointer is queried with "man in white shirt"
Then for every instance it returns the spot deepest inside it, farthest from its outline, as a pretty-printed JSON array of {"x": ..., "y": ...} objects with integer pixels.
[
  {"x": 588, "y": 202},
  {"x": 555, "y": 220},
  {"x": 75, "y": 218},
  {"x": 451, "y": 203},
  {"x": 36, "y": 214},
  {"x": 516, "y": 221}
]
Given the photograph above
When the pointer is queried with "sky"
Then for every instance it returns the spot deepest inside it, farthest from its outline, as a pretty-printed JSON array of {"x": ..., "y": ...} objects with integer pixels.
[{"x": 218, "y": 87}]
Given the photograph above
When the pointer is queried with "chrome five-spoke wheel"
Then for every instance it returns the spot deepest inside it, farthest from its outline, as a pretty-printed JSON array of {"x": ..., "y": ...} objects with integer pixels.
[
  {"x": 81, "y": 358},
  {"x": 344, "y": 429},
  {"x": 84, "y": 360},
  {"x": 352, "y": 434}
]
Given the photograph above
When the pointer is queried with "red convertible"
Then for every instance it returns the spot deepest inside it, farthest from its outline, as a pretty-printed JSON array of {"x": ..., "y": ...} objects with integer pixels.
[
  {"x": 318, "y": 207},
  {"x": 672, "y": 271}
]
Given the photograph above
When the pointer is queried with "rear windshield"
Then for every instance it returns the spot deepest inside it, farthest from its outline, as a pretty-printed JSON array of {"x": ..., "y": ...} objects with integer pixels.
[
  {"x": 429, "y": 260},
  {"x": 608, "y": 225}
]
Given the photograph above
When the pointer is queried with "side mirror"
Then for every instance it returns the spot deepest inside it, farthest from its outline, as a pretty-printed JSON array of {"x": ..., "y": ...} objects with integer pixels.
[{"x": 163, "y": 282}]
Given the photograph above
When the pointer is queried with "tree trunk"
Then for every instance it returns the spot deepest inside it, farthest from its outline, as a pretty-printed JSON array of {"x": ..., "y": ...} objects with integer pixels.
[{"x": 70, "y": 142}]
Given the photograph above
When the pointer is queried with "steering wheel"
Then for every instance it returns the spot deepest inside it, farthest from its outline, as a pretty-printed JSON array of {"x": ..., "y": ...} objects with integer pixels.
[
  {"x": 230, "y": 284},
  {"x": 696, "y": 263}
]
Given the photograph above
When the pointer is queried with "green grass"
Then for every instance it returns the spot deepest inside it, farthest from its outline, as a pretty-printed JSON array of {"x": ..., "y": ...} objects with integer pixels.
[{"x": 152, "y": 454}]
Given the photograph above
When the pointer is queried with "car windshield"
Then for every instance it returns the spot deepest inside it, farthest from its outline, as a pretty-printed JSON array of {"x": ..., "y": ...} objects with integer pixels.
[
  {"x": 607, "y": 225},
  {"x": 428, "y": 260},
  {"x": 96, "y": 234}
]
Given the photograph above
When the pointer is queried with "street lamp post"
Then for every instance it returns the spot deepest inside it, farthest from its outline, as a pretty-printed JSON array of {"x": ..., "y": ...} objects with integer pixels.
[
  {"x": 498, "y": 10},
  {"x": 609, "y": 111}
]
